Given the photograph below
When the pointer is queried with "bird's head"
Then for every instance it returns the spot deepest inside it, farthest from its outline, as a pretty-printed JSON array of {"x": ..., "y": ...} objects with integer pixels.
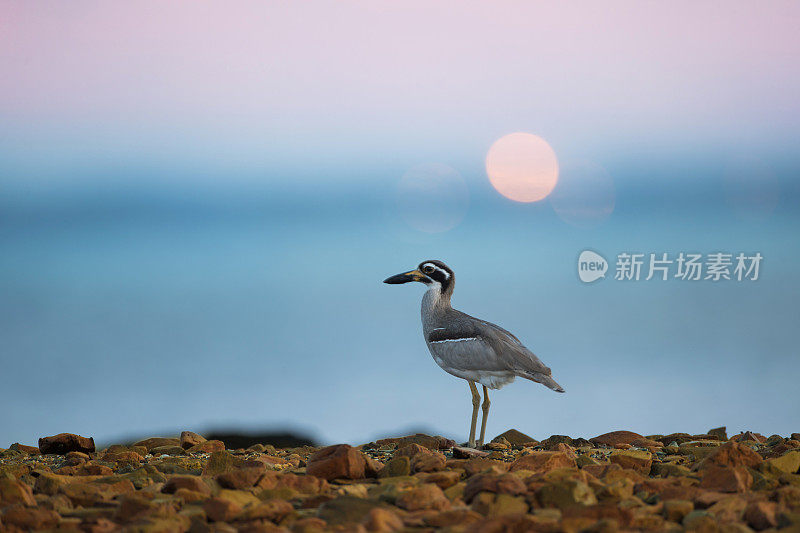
[{"x": 433, "y": 273}]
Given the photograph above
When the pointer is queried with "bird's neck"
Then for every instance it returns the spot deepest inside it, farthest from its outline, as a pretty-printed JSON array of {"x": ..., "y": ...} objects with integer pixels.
[{"x": 435, "y": 298}]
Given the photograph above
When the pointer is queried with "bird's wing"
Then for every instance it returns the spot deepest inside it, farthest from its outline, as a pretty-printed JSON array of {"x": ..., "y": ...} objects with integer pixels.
[
  {"x": 512, "y": 354},
  {"x": 461, "y": 347}
]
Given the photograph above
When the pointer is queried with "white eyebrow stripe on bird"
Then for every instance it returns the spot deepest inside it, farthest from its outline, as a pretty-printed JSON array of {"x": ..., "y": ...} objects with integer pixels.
[
  {"x": 446, "y": 273},
  {"x": 456, "y": 340}
]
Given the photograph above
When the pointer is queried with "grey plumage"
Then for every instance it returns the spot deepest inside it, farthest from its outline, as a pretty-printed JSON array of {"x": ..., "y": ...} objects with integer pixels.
[
  {"x": 468, "y": 347},
  {"x": 488, "y": 354}
]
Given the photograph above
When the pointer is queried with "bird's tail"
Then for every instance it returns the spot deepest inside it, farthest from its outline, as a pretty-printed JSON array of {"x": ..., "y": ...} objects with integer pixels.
[{"x": 544, "y": 379}]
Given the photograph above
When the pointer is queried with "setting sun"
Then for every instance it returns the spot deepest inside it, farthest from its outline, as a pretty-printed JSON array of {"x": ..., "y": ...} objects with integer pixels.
[{"x": 522, "y": 167}]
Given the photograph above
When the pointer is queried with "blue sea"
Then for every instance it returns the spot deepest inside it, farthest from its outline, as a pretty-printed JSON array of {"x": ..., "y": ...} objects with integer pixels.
[{"x": 136, "y": 312}]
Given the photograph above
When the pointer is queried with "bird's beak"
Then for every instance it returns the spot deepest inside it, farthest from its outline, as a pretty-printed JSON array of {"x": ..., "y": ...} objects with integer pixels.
[{"x": 405, "y": 277}]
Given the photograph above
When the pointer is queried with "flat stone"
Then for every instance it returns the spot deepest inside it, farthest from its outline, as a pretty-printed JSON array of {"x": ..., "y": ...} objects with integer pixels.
[
  {"x": 339, "y": 461},
  {"x": 615, "y": 437},
  {"x": 155, "y": 442},
  {"x": 543, "y": 462},
  {"x": 64, "y": 443}
]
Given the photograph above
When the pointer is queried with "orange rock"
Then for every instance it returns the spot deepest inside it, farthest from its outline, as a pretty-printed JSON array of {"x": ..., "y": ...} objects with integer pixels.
[
  {"x": 309, "y": 525},
  {"x": 507, "y": 524},
  {"x": 481, "y": 464},
  {"x": 732, "y": 454},
  {"x": 13, "y": 491},
  {"x": 726, "y": 479},
  {"x": 761, "y": 515},
  {"x": 30, "y": 518},
  {"x": 499, "y": 484},
  {"x": 208, "y": 446},
  {"x": 455, "y": 517},
  {"x": 636, "y": 460},
  {"x": 426, "y": 496},
  {"x": 601, "y": 470},
  {"x": 338, "y": 461},
  {"x": 240, "y": 478},
  {"x": 221, "y": 510},
  {"x": 444, "y": 479},
  {"x": 193, "y": 483},
  {"x": 272, "y": 509},
  {"x": 89, "y": 494},
  {"x": 422, "y": 459},
  {"x": 543, "y": 462},
  {"x": 381, "y": 520},
  {"x": 119, "y": 457},
  {"x": 615, "y": 437}
]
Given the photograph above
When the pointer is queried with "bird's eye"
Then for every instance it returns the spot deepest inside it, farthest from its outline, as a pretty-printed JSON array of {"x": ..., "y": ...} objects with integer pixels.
[{"x": 428, "y": 269}]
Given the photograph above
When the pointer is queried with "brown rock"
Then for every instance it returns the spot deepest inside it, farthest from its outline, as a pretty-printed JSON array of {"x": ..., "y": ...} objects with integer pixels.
[
  {"x": 732, "y": 454},
  {"x": 373, "y": 467},
  {"x": 27, "y": 450},
  {"x": 240, "y": 478},
  {"x": 189, "y": 439},
  {"x": 396, "y": 466},
  {"x": 381, "y": 520},
  {"x": 749, "y": 436},
  {"x": 209, "y": 446},
  {"x": 788, "y": 462},
  {"x": 123, "y": 457},
  {"x": 193, "y": 483},
  {"x": 729, "y": 509},
  {"x": 422, "y": 459},
  {"x": 219, "y": 463},
  {"x": 517, "y": 438},
  {"x": 168, "y": 450},
  {"x": 508, "y": 524},
  {"x": 338, "y": 461},
  {"x": 761, "y": 515},
  {"x": 30, "y": 518},
  {"x": 346, "y": 510},
  {"x": 13, "y": 491},
  {"x": 721, "y": 433},
  {"x": 309, "y": 525},
  {"x": 428, "y": 441},
  {"x": 675, "y": 510},
  {"x": 615, "y": 437},
  {"x": 453, "y": 518},
  {"x": 220, "y": 509},
  {"x": 726, "y": 479},
  {"x": 66, "y": 442},
  {"x": 566, "y": 493},
  {"x": 499, "y": 484},
  {"x": 155, "y": 442},
  {"x": 272, "y": 509},
  {"x": 89, "y": 494},
  {"x": 444, "y": 479},
  {"x": 636, "y": 460},
  {"x": 543, "y": 462},
  {"x": 460, "y": 452},
  {"x": 426, "y": 496}
]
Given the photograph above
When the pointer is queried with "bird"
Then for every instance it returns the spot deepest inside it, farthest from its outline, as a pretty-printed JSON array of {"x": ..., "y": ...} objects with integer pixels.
[{"x": 468, "y": 347}]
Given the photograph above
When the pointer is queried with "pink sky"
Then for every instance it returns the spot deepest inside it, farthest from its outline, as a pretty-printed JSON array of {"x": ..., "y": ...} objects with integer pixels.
[{"x": 165, "y": 78}]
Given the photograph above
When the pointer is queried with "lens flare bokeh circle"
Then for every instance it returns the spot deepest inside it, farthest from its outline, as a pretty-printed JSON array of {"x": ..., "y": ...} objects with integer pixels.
[{"x": 522, "y": 167}]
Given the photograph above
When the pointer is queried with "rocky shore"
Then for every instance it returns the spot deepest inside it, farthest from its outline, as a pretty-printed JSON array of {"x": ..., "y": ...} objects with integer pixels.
[{"x": 619, "y": 481}]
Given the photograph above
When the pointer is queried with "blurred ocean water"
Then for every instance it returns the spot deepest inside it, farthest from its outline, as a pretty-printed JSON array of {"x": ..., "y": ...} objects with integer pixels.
[{"x": 130, "y": 316}]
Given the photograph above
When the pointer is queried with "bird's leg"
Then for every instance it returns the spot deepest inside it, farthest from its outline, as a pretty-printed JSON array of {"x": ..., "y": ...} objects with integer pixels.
[
  {"x": 476, "y": 401},
  {"x": 486, "y": 404}
]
